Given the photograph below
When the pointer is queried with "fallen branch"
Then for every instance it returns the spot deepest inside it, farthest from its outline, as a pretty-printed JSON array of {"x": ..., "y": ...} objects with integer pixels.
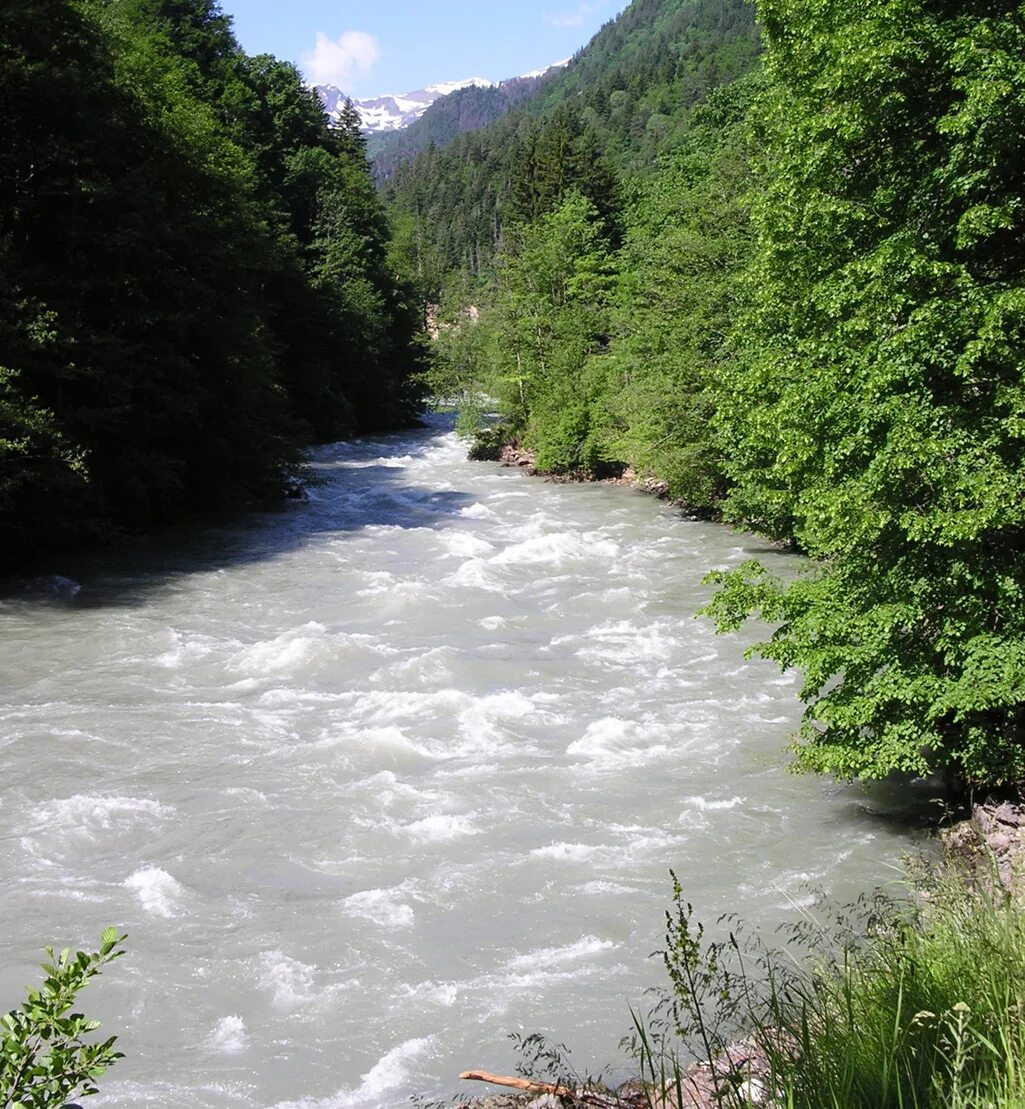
[
  {"x": 516, "y": 1083},
  {"x": 578, "y": 1097}
]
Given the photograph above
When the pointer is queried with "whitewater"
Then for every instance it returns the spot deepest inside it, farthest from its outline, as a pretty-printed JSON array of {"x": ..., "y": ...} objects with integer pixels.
[{"x": 374, "y": 781}]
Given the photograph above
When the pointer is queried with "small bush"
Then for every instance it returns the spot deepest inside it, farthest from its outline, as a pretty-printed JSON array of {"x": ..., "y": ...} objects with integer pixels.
[
  {"x": 560, "y": 439},
  {"x": 488, "y": 443},
  {"x": 45, "y": 1059}
]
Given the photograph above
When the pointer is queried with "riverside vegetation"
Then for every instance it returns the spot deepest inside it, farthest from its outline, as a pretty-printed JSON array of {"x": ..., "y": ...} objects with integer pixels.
[
  {"x": 802, "y": 311},
  {"x": 907, "y": 1004},
  {"x": 910, "y": 1000},
  {"x": 47, "y": 1053},
  {"x": 194, "y": 273}
]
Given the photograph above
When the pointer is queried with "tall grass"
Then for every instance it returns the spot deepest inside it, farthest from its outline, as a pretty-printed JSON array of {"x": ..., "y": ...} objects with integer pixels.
[{"x": 896, "y": 1004}]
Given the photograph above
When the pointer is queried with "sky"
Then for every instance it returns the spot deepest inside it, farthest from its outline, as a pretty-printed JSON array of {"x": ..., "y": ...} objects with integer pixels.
[{"x": 392, "y": 46}]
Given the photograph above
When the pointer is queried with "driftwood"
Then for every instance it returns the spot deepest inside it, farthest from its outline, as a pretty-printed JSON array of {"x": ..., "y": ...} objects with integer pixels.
[
  {"x": 577, "y": 1097},
  {"x": 516, "y": 1083}
]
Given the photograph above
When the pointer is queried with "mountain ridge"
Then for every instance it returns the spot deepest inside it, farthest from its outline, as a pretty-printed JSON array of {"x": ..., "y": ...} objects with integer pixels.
[
  {"x": 391, "y": 112},
  {"x": 465, "y": 110}
]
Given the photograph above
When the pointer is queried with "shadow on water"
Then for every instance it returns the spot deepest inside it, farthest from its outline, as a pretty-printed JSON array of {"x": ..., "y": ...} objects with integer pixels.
[
  {"x": 900, "y": 802},
  {"x": 358, "y": 484}
]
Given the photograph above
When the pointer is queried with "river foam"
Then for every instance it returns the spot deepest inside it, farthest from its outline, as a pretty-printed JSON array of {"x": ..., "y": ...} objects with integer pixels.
[{"x": 378, "y": 779}]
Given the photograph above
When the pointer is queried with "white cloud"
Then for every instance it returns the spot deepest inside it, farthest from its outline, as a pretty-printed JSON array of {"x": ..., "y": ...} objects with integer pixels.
[
  {"x": 340, "y": 61},
  {"x": 575, "y": 16}
]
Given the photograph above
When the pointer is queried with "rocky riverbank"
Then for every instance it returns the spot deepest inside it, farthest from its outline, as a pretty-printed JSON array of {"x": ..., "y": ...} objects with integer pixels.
[
  {"x": 489, "y": 448},
  {"x": 989, "y": 847}
]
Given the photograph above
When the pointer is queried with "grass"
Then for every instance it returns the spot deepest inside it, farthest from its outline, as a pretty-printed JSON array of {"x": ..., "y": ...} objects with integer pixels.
[{"x": 916, "y": 1003}]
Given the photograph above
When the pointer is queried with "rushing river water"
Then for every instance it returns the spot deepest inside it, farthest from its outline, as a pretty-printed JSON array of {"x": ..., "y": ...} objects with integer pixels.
[{"x": 377, "y": 780}]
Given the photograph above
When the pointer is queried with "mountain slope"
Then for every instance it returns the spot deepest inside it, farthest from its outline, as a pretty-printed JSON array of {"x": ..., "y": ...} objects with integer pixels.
[
  {"x": 630, "y": 91},
  {"x": 468, "y": 108}
]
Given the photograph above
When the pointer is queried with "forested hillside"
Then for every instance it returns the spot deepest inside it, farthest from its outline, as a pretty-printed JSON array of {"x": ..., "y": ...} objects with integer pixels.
[
  {"x": 806, "y": 318},
  {"x": 621, "y": 102},
  {"x": 193, "y": 280}
]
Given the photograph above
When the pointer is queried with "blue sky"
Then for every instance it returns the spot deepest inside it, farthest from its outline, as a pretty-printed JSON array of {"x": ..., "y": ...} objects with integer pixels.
[{"x": 391, "y": 46}]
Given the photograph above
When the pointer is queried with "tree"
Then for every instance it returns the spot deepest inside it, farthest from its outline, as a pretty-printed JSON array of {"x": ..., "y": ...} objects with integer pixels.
[
  {"x": 36, "y": 464},
  {"x": 876, "y": 413},
  {"x": 551, "y": 311},
  {"x": 688, "y": 239},
  {"x": 194, "y": 278}
]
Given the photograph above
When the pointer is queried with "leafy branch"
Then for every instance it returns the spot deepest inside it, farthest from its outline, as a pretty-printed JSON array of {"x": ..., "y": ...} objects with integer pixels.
[{"x": 45, "y": 1057}]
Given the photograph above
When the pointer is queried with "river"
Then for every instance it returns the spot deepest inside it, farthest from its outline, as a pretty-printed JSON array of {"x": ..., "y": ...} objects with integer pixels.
[{"x": 376, "y": 780}]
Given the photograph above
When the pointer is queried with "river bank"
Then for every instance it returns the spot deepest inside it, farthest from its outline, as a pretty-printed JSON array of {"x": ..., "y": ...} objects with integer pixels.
[
  {"x": 492, "y": 445},
  {"x": 976, "y": 878}
]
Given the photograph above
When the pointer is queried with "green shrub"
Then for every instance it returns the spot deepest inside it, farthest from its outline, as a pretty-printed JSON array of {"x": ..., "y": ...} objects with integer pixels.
[
  {"x": 488, "y": 443},
  {"x": 45, "y": 1059},
  {"x": 560, "y": 438}
]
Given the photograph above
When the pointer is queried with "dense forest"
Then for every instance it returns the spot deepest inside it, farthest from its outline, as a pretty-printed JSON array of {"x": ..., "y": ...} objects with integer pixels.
[
  {"x": 195, "y": 278},
  {"x": 789, "y": 286},
  {"x": 619, "y": 104}
]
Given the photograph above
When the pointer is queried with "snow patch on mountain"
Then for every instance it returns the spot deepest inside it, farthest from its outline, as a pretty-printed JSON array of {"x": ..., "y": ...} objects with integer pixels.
[
  {"x": 541, "y": 72},
  {"x": 451, "y": 86},
  {"x": 393, "y": 112}
]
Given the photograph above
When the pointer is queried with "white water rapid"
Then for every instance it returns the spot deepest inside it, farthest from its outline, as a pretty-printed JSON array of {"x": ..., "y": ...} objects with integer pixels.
[{"x": 376, "y": 780}]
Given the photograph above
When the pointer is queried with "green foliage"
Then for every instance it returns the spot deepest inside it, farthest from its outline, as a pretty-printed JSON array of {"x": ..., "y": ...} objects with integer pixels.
[
  {"x": 622, "y": 372},
  {"x": 47, "y": 1055},
  {"x": 549, "y": 314},
  {"x": 194, "y": 275},
  {"x": 924, "y": 1014},
  {"x": 461, "y": 357},
  {"x": 679, "y": 294},
  {"x": 621, "y": 102},
  {"x": 875, "y": 415},
  {"x": 894, "y": 1004},
  {"x": 606, "y": 358},
  {"x": 36, "y": 462},
  {"x": 809, "y": 316},
  {"x": 488, "y": 443}
]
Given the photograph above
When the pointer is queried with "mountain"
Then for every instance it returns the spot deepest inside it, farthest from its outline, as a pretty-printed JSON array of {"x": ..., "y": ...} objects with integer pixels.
[
  {"x": 625, "y": 99},
  {"x": 466, "y": 109},
  {"x": 384, "y": 115},
  {"x": 381, "y": 114}
]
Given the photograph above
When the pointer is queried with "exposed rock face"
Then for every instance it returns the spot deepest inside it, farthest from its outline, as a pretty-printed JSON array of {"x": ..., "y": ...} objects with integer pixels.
[{"x": 991, "y": 845}]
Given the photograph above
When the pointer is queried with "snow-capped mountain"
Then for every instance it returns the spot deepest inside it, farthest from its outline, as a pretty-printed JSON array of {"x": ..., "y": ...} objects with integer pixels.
[
  {"x": 392, "y": 113},
  {"x": 545, "y": 69}
]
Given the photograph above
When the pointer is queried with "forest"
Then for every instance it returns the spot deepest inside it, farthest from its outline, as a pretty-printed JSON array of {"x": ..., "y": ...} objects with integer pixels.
[
  {"x": 195, "y": 279},
  {"x": 779, "y": 270}
]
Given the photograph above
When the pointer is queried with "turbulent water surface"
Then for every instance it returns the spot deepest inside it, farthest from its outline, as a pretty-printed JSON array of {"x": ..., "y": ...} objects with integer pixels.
[{"x": 375, "y": 781}]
